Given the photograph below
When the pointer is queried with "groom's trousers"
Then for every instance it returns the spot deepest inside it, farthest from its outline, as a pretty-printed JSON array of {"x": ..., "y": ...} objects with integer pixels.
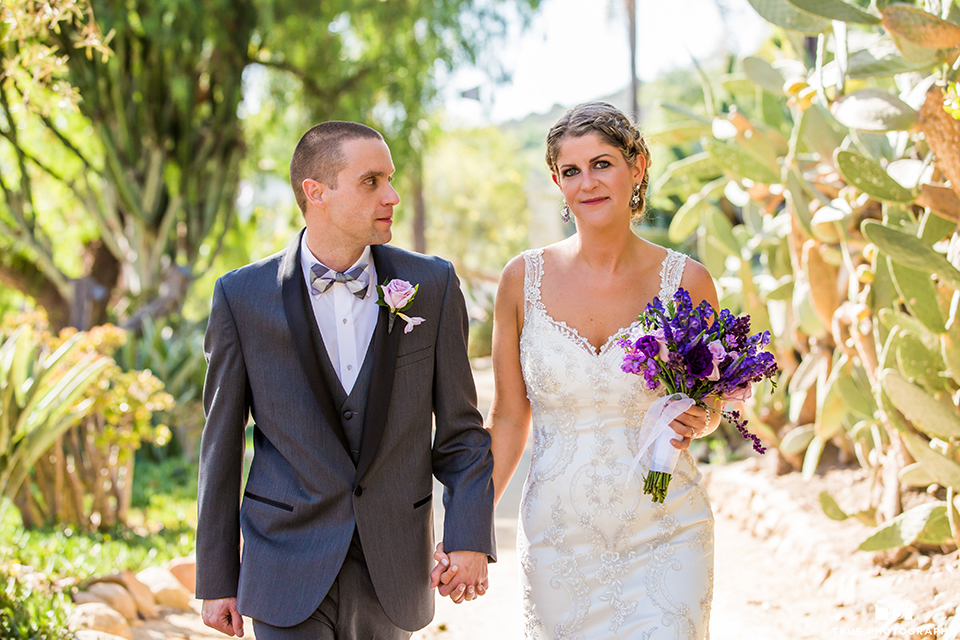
[{"x": 350, "y": 611}]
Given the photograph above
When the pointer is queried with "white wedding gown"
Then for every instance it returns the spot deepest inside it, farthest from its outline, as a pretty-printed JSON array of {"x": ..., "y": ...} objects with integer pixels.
[{"x": 598, "y": 558}]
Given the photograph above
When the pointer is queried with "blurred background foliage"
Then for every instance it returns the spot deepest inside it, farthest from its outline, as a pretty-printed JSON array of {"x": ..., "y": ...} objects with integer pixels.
[{"x": 144, "y": 150}]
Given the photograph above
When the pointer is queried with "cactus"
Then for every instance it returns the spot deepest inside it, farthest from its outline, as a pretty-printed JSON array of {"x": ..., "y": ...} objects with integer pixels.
[
  {"x": 741, "y": 163},
  {"x": 783, "y": 14},
  {"x": 845, "y": 222},
  {"x": 910, "y": 251},
  {"x": 918, "y": 294},
  {"x": 919, "y": 364},
  {"x": 836, "y": 10},
  {"x": 687, "y": 218},
  {"x": 797, "y": 440},
  {"x": 874, "y": 110},
  {"x": 764, "y": 75},
  {"x": 914, "y": 475},
  {"x": 931, "y": 416},
  {"x": 942, "y": 469},
  {"x": 920, "y": 28},
  {"x": 925, "y": 524},
  {"x": 869, "y": 177}
]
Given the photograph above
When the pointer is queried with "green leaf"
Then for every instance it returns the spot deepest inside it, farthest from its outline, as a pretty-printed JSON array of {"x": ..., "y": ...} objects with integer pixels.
[
  {"x": 784, "y": 14},
  {"x": 911, "y": 251},
  {"x": 919, "y": 364},
  {"x": 933, "y": 228},
  {"x": 853, "y": 398},
  {"x": 763, "y": 74},
  {"x": 919, "y": 27},
  {"x": 874, "y": 110},
  {"x": 798, "y": 198},
  {"x": 812, "y": 457},
  {"x": 914, "y": 475},
  {"x": 820, "y": 131},
  {"x": 721, "y": 230},
  {"x": 738, "y": 85},
  {"x": 869, "y": 177},
  {"x": 927, "y": 414},
  {"x": 922, "y": 523},
  {"x": 919, "y": 294},
  {"x": 687, "y": 218},
  {"x": 696, "y": 167},
  {"x": 880, "y": 59},
  {"x": 942, "y": 469},
  {"x": 677, "y": 133},
  {"x": 835, "y": 10},
  {"x": 797, "y": 440},
  {"x": 741, "y": 163},
  {"x": 830, "y": 507}
]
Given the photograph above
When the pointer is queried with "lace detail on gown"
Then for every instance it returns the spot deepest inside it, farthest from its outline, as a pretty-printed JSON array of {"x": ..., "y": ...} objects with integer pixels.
[{"x": 598, "y": 558}]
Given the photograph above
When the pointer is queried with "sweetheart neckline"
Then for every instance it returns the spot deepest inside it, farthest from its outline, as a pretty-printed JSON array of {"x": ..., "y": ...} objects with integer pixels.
[{"x": 577, "y": 336}]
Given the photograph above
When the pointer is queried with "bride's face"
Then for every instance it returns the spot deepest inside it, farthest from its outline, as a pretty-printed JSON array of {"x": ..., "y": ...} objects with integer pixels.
[{"x": 596, "y": 180}]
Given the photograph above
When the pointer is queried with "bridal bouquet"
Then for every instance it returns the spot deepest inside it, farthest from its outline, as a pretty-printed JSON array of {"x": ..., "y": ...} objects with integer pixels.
[{"x": 694, "y": 360}]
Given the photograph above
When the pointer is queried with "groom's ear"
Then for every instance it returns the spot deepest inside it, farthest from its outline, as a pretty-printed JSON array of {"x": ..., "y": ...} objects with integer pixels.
[{"x": 314, "y": 191}]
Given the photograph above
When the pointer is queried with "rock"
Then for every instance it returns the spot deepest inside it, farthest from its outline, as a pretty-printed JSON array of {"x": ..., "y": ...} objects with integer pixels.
[
  {"x": 85, "y": 597},
  {"x": 166, "y": 589},
  {"x": 185, "y": 570},
  {"x": 96, "y": 616},
  {"x": 87, "y": 634},
  {"x": 117, "y": 597},
  {"x": 146, "y": 604}
]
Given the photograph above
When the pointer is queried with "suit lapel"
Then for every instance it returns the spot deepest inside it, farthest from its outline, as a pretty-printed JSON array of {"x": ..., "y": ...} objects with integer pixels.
[
  {"x": 296, "y": 306},
  {"x": 385, "y": 345}
]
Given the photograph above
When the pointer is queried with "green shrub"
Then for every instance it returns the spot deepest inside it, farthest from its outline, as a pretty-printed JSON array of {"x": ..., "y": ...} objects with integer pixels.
[{"x": 31, "y": 607}]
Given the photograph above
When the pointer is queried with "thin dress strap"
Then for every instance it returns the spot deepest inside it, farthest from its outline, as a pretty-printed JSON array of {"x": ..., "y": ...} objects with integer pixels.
[
  {"x": 532, "y": 274},
  {"x": 671, "y": 273}
]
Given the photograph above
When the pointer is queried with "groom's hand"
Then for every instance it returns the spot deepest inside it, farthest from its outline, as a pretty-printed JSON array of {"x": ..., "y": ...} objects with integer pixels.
[
  {"x": 223, "y": 616},
  {"x": 466, "y": 579}
]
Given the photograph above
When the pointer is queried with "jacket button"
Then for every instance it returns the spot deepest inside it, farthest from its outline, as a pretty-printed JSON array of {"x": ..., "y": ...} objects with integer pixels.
[
  {"x": 348, "y": 414},
  {"x": 358, "y": 491}
]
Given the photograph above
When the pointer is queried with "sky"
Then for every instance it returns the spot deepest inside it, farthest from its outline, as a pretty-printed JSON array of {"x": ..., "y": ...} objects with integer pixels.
[{"x": 578, "y": 50}]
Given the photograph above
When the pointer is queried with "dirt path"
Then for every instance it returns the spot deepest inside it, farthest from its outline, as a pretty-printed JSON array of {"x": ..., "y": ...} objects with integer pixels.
[{"x": 783, "y": 570}]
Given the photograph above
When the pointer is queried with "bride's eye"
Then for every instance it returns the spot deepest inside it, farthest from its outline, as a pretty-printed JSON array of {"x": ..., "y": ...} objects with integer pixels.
[
  {"x": 567, "y": 173},
  {"x": 602, "y": 164}
]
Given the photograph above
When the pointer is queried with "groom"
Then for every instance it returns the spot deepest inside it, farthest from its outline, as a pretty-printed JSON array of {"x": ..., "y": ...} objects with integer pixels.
[{"x": 336, "y": 515}]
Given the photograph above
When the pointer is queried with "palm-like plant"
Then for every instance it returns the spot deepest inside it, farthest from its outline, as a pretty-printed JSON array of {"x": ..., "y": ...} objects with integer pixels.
[{"x": 40, "y": 398}]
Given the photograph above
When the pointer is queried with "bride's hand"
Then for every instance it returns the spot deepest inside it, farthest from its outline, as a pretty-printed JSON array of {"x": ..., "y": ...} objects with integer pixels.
[{"x": 689, "y": 425}]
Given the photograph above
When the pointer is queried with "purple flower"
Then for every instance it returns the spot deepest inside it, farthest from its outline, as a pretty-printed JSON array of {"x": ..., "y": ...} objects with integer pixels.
[
  {"x": 649, "y": 346},
  {"x": 699, "y": 361}
]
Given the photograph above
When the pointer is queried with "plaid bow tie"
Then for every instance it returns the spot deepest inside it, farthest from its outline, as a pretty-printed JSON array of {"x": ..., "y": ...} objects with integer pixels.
[{"x": 356, "y": 280}]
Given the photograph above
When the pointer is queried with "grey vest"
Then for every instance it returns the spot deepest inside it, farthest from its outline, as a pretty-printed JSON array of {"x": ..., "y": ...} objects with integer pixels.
[{"x": 350, "y": 407}]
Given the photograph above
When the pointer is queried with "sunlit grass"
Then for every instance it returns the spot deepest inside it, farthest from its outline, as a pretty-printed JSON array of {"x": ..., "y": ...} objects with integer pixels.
[{"x": 162, "y": 526}]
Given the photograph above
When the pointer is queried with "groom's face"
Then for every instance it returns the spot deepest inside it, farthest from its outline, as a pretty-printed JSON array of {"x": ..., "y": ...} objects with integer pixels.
[{"x": 360, "y": 209}]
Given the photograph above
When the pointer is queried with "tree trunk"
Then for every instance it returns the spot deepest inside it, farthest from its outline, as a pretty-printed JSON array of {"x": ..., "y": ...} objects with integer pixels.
[
  {"x": 419, "y": 209},
  {"x": 634, "y": 82}
]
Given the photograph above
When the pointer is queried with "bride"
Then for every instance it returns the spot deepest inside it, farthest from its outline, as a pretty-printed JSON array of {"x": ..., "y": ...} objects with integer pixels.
[{"x": 599, "y": 559}]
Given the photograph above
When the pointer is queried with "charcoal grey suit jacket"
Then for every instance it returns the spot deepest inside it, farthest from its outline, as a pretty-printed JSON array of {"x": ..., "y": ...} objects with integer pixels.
[{"x": 304, "y": 495}]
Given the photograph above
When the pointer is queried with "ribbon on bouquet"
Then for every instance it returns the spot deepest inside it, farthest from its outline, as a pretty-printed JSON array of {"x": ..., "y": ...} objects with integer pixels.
[{"x": 656, "y": 432}]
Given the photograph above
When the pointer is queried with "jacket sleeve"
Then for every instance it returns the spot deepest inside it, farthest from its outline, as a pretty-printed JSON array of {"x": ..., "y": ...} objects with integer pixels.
[
  {"x": 462, "y": 460},
  {"x": 226, "y": 404}
]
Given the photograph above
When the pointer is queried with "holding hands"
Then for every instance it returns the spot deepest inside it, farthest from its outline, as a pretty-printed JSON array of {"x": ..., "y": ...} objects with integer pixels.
[{"x": 462, "y": 575}]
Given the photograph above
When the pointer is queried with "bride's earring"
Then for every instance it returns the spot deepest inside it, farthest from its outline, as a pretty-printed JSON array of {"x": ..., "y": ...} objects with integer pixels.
[
  {"x": 565, "y": 212},
  {"x": 635, "y": 198}
]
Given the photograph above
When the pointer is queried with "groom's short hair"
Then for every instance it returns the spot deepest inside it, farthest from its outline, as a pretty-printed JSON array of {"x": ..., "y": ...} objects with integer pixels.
[{"x": 319, "y": 154}]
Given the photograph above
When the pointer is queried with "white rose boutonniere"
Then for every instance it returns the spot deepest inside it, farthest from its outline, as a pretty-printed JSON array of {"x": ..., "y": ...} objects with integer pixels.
[{"x": 397, "y": 296}]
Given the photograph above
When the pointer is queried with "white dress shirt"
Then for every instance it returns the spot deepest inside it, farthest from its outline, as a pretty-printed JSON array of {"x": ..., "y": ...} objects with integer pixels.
[{"x": 345, "y": 321}]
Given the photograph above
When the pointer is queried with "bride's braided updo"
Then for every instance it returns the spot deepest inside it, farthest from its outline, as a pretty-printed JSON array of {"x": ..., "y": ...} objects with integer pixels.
[{"x": 615, "y": 129}]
